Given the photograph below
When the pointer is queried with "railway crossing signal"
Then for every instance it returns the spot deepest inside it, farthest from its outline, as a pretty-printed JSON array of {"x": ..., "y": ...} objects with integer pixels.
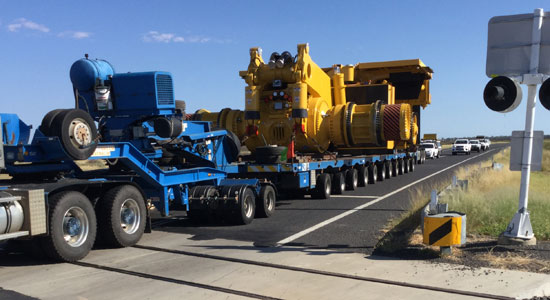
[{"x": 518, "y": 52}]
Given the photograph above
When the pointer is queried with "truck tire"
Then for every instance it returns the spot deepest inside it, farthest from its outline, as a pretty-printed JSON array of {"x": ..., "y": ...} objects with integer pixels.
[
  {"x": 454, "y": 153},
  {"x": 246, "y": 207},
  {"x": 381, "y": 171},
  {"x": 338, "y": 183},
  {"x": 76, "y": 131},
  {"x": 387, "y": 166},
  {"x": 405, "y": 165},
  {"x": 72, "y": 227},
  {"x": 269, "y": 154},
  {"x": 232, "y": 144},
  {"x": 45, "y": 126},
  {"x": 265, "y": 204},
  {"x": 373, "y": 173},
  {"x": 400, "y": 167},
  {"x": 411, "y": 165},
  {"x": 363, "y": 176},
  {"x": 323, "y": 187},
  {"x": 122, "y": 216},
  {"x": 351, "y": 179},
  {"x": 393, "y": 168}
]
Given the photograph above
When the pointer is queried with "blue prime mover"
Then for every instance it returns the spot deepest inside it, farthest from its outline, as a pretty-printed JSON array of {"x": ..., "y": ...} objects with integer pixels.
[{"x": 95, "y": 171}]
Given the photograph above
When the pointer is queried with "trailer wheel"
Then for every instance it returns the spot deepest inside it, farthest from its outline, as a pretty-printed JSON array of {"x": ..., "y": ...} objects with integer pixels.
[
  {"x": 363, "y": 174},
  {"x": 351, "y": 179},
  {"x": 373, "y": 173},
  {"x": 405, "y": 165},
  {"x": 411, "y": 165},
  {"x": 323, "y": 187},
  {"x": 45, "y": 126},
  {"x": 122, "y": 216},
  {"x": 246, "y": 207},
  {"x": 387, "y": 166},
  {"x": 76, "y": 131},
  {"x": 72, "y": 227},
  {"x": 265, "y": 204},
  {"x": 338, "y": 183},
  {"x": 393, "y": 167},
  {"x": 382, "y": 171},
  {"x": 400, "y": 166}
]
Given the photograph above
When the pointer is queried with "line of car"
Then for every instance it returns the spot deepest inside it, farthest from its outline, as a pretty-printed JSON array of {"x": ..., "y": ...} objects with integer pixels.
[
  {"x": 466, "y": 146},
  {"x": 433, "y": 147}
]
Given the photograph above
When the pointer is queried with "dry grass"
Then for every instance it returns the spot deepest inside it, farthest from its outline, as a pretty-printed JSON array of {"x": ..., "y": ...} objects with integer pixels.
[
  {"x": 398, "y": 232},
  {"x": 492, "y": 197}
]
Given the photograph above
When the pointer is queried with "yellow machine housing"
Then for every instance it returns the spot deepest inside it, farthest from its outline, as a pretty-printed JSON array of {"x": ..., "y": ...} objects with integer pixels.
[{"x": 292, "y": 100}]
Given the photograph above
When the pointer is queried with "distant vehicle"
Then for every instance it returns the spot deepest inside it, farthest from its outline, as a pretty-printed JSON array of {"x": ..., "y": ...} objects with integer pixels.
[
  {"x": 485, "y": 143},
  {"x": 476, "y": 145},
  {"x": 462, "y": 146},
  {"x": 432, "y": 151},
  {"x": 439, "y": 148}
]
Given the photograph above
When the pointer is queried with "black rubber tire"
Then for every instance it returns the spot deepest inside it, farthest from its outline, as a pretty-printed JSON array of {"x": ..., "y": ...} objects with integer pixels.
[
  {"x": 265, "y": 203},
  {"x": 387, "y": 167},
  {"x": 363, "y": 176},
  {"x": 54, "y": 244},
  {"x": 373, "y": 173},
  {"x": 405, "y": 165},
  {"x": 411, "y": 165},
  {"x": 352, "y": 179},
  {"x": 45, "y": 126},
  {"x": 454, "y": 153},
  {"x": 61, "y": 126},
  {"x": 323, "y": 187},
  {"x": 242, "y": 214},
  {"x": 394, "y": 167},
  {"x": 232, "y": 143},
  {"x": 400, "y": 166},
  {"x": 338, "y": 183},
  {"x": 269, "y": 154},
  {"x": 109, "y": 212},
  {"x": 381, "y": 171}
]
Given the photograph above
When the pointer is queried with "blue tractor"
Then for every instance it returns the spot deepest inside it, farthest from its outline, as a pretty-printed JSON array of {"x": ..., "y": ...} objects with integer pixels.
[{"x": 152, "y": 156}]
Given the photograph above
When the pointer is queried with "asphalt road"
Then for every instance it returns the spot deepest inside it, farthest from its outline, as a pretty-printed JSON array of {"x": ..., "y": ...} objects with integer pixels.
[
  {"x": 303, "y": 222},
  {"x": 309, "y": 249}
]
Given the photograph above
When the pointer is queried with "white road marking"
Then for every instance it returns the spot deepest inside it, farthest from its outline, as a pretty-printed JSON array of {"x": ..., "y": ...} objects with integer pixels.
[
  {"x": 353, "y": 196},
  {"x": 360, "y": 207}
]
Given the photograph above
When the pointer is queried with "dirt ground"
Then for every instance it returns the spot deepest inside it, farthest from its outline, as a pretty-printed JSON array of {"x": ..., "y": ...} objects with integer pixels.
[{"x": 482, "y": 251}]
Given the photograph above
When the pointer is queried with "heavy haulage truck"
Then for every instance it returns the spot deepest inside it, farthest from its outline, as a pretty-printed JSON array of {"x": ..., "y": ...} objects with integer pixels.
[
  {"x": 153, "y": 156},
  {"x": 310, "y": 131},
  {"x": 323, "y": 130}
]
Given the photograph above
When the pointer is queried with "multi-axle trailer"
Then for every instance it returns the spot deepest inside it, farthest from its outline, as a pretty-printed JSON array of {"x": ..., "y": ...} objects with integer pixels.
[{"x": 150, "y": 155}]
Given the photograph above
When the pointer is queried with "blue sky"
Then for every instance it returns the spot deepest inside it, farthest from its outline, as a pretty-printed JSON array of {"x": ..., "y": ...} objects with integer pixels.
[{"x": 205, "y": 43}]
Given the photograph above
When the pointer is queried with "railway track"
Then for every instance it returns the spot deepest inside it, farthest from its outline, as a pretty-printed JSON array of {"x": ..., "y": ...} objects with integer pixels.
[{"x": 253, "y": 295}]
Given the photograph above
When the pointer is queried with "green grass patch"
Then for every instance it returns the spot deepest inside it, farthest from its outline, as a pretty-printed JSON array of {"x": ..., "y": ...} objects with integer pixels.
[{"x": 492, "y": 197}]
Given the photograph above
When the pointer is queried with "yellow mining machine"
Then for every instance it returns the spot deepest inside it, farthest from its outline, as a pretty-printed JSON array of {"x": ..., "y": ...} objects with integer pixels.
[{"x": 290, "y": 101}]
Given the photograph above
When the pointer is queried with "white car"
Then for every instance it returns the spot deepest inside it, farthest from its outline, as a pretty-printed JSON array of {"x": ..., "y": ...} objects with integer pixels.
[
  {"x": 476, "y": 145},
  {"x": 431, "y": 149},
  {"x": 462, "y": 146},
  {"x": 485, "y": 143}
]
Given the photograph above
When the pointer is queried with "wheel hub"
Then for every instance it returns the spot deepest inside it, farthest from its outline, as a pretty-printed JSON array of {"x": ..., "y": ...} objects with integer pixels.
[
  {"x": 80, "y": 133},
  {"x": 129, "y": 216},
  {"x": 72, "y": 226},
  {"x": 75, "y": 226}
]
